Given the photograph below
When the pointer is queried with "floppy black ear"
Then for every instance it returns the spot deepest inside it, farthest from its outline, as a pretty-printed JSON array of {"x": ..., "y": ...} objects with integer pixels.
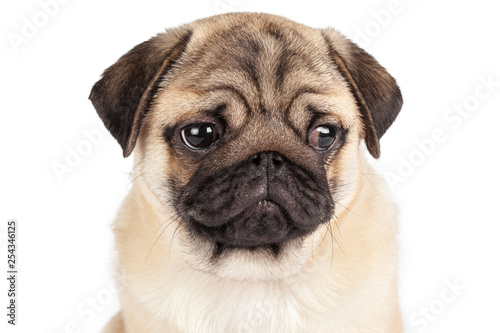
[
  {"x": 124, "y": 93},
  {"x": 377, "y": 94}
]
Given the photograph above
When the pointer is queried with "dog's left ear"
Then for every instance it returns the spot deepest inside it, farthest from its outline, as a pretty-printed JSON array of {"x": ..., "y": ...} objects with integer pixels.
[
  {"x": 125, "y": 92},
  {"x": 377, "y": 94}
]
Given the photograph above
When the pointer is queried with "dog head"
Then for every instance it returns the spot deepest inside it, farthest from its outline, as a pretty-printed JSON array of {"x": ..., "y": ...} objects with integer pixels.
[{"x": 247, "y": 130}]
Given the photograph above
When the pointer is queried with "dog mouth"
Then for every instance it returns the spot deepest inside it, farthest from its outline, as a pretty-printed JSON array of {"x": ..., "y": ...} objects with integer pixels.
[{"x": 262, "y": 224}]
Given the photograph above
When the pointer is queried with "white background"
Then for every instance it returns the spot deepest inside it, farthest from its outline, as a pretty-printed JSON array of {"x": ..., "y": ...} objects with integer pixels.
[{"x": 447, "y": 191}]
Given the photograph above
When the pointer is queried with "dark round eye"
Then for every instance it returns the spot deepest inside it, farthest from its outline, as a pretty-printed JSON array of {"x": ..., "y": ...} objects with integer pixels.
[
  {"x": 322, "y": 137},
  {"x": 200, "y": 136}
]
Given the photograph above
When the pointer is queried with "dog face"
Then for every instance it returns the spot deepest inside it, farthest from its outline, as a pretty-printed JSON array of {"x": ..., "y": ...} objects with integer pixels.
[{"x": 247, "y": 130}]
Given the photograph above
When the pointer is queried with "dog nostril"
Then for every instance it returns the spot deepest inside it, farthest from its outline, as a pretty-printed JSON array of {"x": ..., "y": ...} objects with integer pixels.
[
  {"x": 277, "y": 159},
  {"x": 256, "y": 158},
  {"x": 266, "y": 158}
]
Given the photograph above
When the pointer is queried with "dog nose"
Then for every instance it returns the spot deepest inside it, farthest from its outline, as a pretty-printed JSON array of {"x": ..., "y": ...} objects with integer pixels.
[{"x": 269, "y": 161}]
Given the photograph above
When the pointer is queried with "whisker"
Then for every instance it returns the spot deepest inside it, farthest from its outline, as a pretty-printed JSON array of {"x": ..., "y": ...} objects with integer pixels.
[
  {"x": 336, "y": 241},
  {"x": 171, "y": 220},
  {"x": 350, "y": 211},
  {"x": 345, "y": 184},
  {"x": 367, "y": 178},
  {"x": 136, "y": 164},
  {"x": 172, "y": 239},
  {"x": 156, "y": 240},
  {"x": 132, "y": 181},
  {"x": 329, "y": 228},
  {"x": 319, "y": 245},
  {"x": 337, "y": 225}
]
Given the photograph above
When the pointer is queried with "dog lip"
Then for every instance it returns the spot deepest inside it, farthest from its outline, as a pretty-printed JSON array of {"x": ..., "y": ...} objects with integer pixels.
[
  {"x": 263, "y": 222},
  {"x": 262, "y": 205}
]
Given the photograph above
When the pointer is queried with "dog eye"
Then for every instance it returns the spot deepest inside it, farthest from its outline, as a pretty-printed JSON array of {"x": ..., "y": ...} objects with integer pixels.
[
  {"x": 200, "y": 136},
  {"x": 322, "y": 137}
]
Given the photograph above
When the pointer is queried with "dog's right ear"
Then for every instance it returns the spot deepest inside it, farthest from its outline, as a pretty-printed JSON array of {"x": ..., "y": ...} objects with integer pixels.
[
  {"x": 124, "y": 93},
  {"x": 376, "y": 91}
]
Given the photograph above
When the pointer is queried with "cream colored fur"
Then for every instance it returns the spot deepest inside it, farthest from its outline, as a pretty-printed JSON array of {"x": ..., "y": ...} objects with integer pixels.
[{"x": 348, "y": 284}]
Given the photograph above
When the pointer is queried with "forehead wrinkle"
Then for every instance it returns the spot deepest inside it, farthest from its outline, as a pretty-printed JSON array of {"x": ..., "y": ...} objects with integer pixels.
[
  {"x": 252, "y": 61},
  {"x": 329, "y": 107},
  {"x": 235, "y": 93},
  {"x": 268, "y": 66},
  {"x": 281, "y": 58},
  {"x": 177, "y": 104},
  {"x": 258, "y": 59},
  {"x": 236, "y": 114},
  {"x": 298, "y": 114}
]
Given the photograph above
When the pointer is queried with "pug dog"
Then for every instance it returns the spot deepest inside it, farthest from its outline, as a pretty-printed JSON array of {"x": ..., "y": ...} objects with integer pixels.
[{"x": 253, "y": 207}]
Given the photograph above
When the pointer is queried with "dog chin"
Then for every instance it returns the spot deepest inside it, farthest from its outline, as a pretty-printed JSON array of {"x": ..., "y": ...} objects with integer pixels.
[{"x": 261, "y": 263}]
